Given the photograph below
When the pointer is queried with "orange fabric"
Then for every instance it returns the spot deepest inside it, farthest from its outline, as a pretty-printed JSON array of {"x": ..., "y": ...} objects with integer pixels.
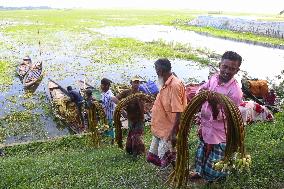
[
  {"x": 258, "y": 88},
  {"x": 170, "y": 100}
]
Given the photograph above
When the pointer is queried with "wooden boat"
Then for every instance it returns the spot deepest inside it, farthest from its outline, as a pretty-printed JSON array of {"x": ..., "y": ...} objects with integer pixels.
[
  {"x": 64, "y": 108},
  {"x": 34, "y": 75}
]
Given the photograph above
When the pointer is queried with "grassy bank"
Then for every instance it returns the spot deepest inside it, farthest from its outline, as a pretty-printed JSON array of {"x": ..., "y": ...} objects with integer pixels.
[
  {"x": 70, "y": 162},
  {"x": 246, "y": 37}
]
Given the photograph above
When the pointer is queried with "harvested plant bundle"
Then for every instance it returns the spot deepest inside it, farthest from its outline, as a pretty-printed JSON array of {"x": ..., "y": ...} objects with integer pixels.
[
  {"x": 234, "y": 133},
  {"x": 67, "y": 110},
  {"x": 118, "y": 88},
  {"x": 117, "y": 113},
  {"x": 96, "y": 113}
]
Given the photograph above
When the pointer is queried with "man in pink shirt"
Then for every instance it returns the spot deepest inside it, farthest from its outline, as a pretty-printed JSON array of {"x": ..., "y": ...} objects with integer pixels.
[{"x": 212, "y": 129}]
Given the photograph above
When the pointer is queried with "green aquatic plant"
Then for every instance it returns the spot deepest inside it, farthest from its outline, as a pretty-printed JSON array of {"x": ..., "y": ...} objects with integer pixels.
[
  {"x": 123, "y": 50},
  {"x": 6, "y": 74}
]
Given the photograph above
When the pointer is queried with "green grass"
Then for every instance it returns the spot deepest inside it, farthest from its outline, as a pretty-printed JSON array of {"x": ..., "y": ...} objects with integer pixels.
[
  {"x": 265, "y": 143},
  {"x": 121, "y": 50},
  {"x": 247, "y": 37},
  {"x": 70, "y": 162},
  {"x": 78, "y": 20}
]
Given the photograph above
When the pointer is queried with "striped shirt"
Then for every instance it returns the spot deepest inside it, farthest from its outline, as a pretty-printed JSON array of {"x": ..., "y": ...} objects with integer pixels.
[
  {"x": 34, "y": 74},
  {"x": 108, "y": 104}
]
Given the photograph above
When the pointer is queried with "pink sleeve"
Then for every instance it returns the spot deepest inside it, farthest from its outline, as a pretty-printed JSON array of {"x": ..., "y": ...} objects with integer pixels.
[
  {"x": 236, "y": 95},
  {"x": 203, "y": 86}
]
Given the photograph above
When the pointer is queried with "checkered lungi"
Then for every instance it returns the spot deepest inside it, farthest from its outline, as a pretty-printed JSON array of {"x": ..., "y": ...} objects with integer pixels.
[{"x": 204, "y": 166}]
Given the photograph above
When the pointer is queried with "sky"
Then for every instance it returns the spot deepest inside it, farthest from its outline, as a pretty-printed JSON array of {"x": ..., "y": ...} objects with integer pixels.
[{"x": 253, "y": 6}]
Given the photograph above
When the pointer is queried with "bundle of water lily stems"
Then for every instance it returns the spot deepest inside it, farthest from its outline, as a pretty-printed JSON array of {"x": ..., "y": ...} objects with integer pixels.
[
  {"x": 234, "y": 133},
  {"x": 96, "y": 114},
  {"x": 117, "y": 113}
]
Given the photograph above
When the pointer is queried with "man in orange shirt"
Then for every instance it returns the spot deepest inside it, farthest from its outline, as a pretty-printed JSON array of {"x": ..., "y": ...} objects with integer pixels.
[{"x": 168, "y": 106}]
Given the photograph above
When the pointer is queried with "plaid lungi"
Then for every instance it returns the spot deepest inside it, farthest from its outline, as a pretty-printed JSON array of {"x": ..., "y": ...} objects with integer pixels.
[
  {"x": 134, "y": 143},
  {"x": 204, "y": 166}
]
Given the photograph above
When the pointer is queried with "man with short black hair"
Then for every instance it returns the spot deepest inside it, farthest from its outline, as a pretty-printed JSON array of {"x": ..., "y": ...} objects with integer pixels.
[
  {"x": 212, "y": 131},
  {"x": 108, "y": 105},
  {"x": 74, "y": 95}
]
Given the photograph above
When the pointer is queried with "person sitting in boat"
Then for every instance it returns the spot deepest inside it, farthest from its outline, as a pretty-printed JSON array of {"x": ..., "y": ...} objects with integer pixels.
[
  {"x": 77, "y": 98},
  {"x": 27, "y": 60},
  {"x": 108, "y": 106},
  {"x": 135, "y": 115},
  {"x": 25, "y": 66}
]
